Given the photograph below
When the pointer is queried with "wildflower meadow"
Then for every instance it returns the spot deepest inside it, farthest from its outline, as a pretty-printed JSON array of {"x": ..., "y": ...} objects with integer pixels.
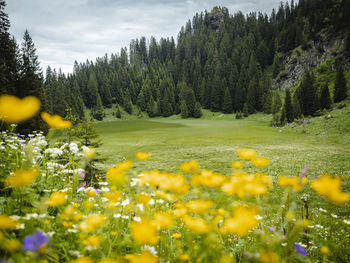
[{"x": 51, "y": 211}]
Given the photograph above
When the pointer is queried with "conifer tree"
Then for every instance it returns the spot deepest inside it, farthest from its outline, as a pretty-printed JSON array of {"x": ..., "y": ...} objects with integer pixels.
[
  {"x": 97, "y": 111},
  {"x": 197, "y": 110},
  {"x": 184, "y": 109},
  {"x": 227, "y": 103},
  {"x": 245, "y": 110},
  {"x": 296, "y": 106},
  {"x": 340, "y": 88},
  {"x": 325, "y": 98},
  {"x": 288, "y": 108}
]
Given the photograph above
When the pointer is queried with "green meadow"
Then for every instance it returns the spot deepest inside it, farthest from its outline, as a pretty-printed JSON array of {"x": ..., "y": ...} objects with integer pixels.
[{"x": 322, "y": 145}]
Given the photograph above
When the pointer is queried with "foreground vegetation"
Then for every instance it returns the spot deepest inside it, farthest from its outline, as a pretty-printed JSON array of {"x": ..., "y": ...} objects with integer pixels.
[{"x": 231, "y": 205}]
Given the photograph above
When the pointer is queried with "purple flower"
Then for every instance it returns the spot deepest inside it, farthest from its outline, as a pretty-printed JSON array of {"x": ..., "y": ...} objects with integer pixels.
[
  {"x": 35, "y": 241},
  {"x": 82, "y": 175},
  {"x": 300, "y": 250},
  {"x": 18, "y": 135},
  {"x": 271, "y": 229}
]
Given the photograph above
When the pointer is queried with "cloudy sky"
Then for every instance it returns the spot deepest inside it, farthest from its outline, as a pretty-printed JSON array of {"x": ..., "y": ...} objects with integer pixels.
[{"x": 67, "y": 30}]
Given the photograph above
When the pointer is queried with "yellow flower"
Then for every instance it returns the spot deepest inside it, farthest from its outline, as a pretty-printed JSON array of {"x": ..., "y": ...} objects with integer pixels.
[
  {"x": 163, "y": 220},
  {"x": 184, "y": 257},
  {"x": 260, "y": 162},
  {"x": 268, "y": 257},
  {"x": 247, "y": 154},
  {"x": 243, "y": 220},
  {"x": 91, "y": 193},
  {"x": 7, "y": 222},
  {"x": 15, "y": 110},
  {"x": 208, "y": 179},
  {"x": 289, "y": 181},
  {"x": 227, "y": 259},
  {"x": 144, "y": 232},
  {"x": 82, "y": 260},
  {"x": 330, "y": 188},
  {"x": 92, "y": 222},
  {"x": 22, "y": 177},
  {"x": 89, "y": 153},
  {"x": 117, "y": 174},
  {"x": 197, "y": 225},
  {"x": 190, "y": 167},
  {"x": 92, "y": 241},
  {"x": 56, "y": 121},
  {"x": 67, "y": 224},
  {"x": 176, "y": 235},
  {"x": 237, "y": 165},
  {"x": 13, "y": 245},
  {"x": 145, "y": 257},
  {"x": 324, "y": 250},
  {"x": 143, "y": 199},
  {"x": 142, "y": 156},
  {"x": 113, "y": 196},
  {"x": 57, "y": 199},
  {"x": 110, "y": 260},
  {"x": 199, "y": 206}
]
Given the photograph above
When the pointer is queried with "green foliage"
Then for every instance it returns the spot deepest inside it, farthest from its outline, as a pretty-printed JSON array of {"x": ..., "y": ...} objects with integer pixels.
[
  {"x": 184, "y": 110},
  {"x": 340, "y": 89},
  {"x": 197, "y": 113}
]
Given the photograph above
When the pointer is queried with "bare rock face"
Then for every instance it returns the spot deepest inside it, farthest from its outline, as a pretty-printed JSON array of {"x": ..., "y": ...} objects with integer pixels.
[{"x": 298, "y": 61}]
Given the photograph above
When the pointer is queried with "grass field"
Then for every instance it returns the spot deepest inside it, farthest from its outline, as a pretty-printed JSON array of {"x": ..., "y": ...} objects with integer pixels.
[{"x": 213, "y": 143}]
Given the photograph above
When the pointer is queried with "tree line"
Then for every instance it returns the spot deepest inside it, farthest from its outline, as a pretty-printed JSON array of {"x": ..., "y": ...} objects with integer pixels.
[{"x": 222, "y": 62}]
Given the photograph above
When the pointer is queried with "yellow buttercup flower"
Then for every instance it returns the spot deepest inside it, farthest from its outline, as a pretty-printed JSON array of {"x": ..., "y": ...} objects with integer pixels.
[
  {"x": 269, "y": 257},
  {"x": 243, "y": 220},
  {"x": 143, "y": 199},
  {"x": 55, "y": 121},
  {"x": 144, "y": 232},
  {"x": 92, "y": 222},
  {"x": 7, "y": 222},
  {"x": 199, "y": 206},
  {"x": 22, "y": 177},
  {"x": 57, "y": 199},
  {"x": 330, "y": 188},
  {"x": 247, "y": 154},
  {"x": 15, "y": 110},
  {"x": 12, "y": 245},
  {"x": 237, "y": 165},
  {"x": 197, "y": 225},
  {"x": 113, "y": 196},
  {"x": 208, "y": 179},
  {"x": 289, "y": 181},
  {"x": 145, "y": 257},
  {"x": 324, "y": 250},
  {"x": 82, "y": 260},
  {"x": 184, "y": 257},
  {"x": 117, "y": 174},
  {"x": 163, "y": 220},
  {"x": 142, "y": 156},
  {"x": 260, "y": 162},
  {"x": 176, "y": 235},
  {"x": 110, "y": 260},
  {"x": 190, "y": 167},
  {"x": 92, "y": 241}
]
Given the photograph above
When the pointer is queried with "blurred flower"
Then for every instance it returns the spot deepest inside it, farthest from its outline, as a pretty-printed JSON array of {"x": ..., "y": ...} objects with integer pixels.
[
  {"x": 243, "y": 220},
  {"x": 268, "y": 257},
  {"x": 143, "y": 199},
  {"x": 144, "y": 232},
  {"x": 89, "y": 152},
  {"x": 92, "y": 241},
  {"x": 145, "y": 257},
  {"x": 246, "y": 154},
  {"x": 36, "y": 242},
  {"x": 237, "y": 165},
  {"x": 13, "y": 245},
  {"x": 260, "y": 162},
  {"x": 199, "y": 206},
  {"x": 57, "y": 199},
  {"x": 110, "y": 260},
  {"x": 92, "y": 222},
  {"x": 55, "y": 121},
  {"x": 330, "y": 188},
  {"x": 82, "y": 260},
  {"x": 15, "y": 110},
  {"x": 292, "y": 181},
  {"x": 176, "y": 235},
  {"x": 197, "y": 225},
  {"x": 190, "y": 167},
  {"x": 117, "y": 174},
  {"x": 184, "y": 257},
  {"x": 300, "y": 250},
  {"x": 22, "y": 177},
  {"x": 7, "y": 222},
  {"x": 142, "y": 156},
  {"x": 163, "y": 220},
  {"x": 227, "y": 259},
  {"x": 324, "y": 250}
]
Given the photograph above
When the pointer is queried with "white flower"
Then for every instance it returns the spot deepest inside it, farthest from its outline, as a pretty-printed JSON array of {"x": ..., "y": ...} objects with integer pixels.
[
  {"x": 126, "y": 202},
  {"x": 117, "y": 215},
  {"x": 150, "y": 249},
  {"x": 346, "y": 222},
  {"x": 334, "y": 215},
  {"x": 323, "y": 210}
]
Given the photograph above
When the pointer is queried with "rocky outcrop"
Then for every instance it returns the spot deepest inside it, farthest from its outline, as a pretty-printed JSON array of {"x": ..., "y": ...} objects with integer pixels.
[{"x": 299, "y": 60}]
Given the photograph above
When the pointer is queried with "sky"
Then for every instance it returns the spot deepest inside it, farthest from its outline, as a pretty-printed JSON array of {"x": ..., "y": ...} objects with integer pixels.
[{"x": 67, "y": 30}]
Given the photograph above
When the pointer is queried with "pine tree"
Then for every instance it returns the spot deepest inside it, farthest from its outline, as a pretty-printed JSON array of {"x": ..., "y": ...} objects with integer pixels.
[
  {"x": 283, "y": 117},
  {"x": 277, "y": 103},
  {"x": 118, "y": 114},
  {"x": 340, "y": 88},
  {"x": 97, "y": 111},
  {"x": 245, "y": 110},
  {"x": 91, "y": 91},
  {"x": 325, "y": 99},
  {"x": 184, "y": 110},
  {"x": 296, "y": 106},
  {"x": 197, "y": 110},
  {"x": 227, "y": 103},
  {"x": 288, "y": 108}
]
